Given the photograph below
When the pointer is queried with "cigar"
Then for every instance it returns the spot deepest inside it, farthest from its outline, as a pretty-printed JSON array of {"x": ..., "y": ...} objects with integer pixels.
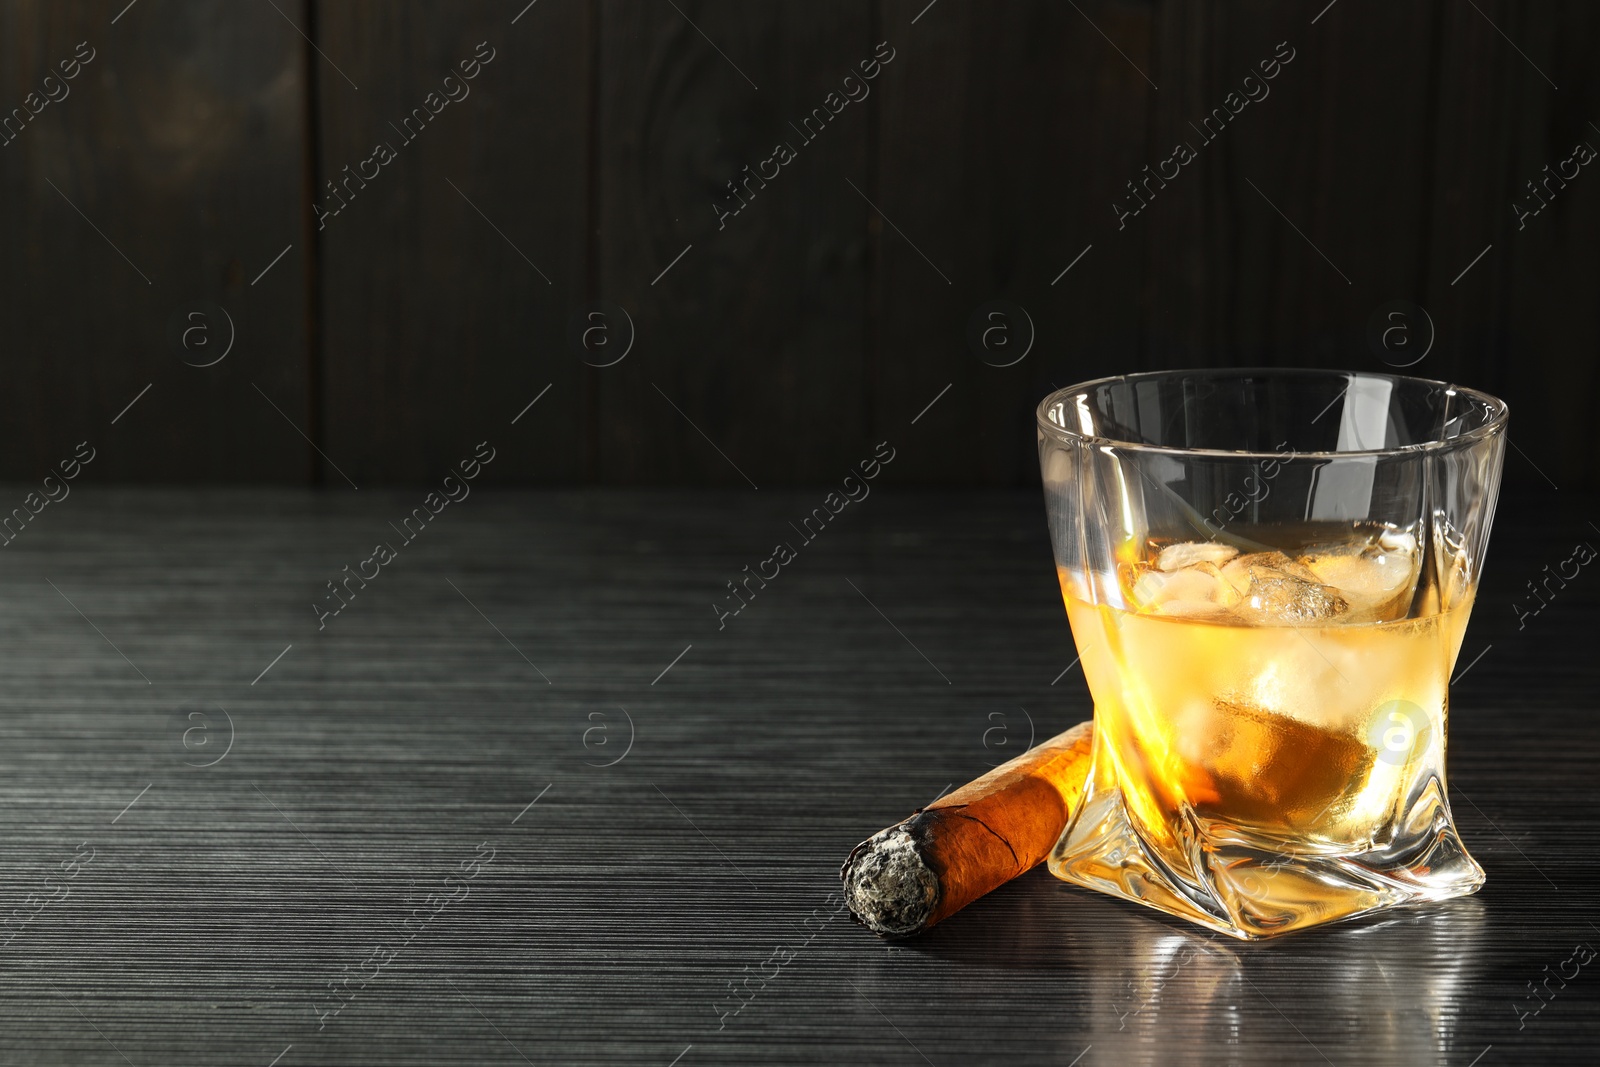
[{"x": 920, "y": 871}]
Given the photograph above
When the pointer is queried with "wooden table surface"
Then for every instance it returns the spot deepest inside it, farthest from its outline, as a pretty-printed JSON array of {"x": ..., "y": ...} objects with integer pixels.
[{"x": 522, "y": 799}]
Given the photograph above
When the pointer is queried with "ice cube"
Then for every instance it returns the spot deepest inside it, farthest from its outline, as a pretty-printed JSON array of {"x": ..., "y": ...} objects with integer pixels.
[
  {"x": 1154, "y": 587},
  {"x": 1364, "y": 580},
  {"x": 1240, "y": 573},
  {"x": 1377, "y": 579},
  {"x": 1195, "y": 591},
  {"x": 1275, "y": 590},
  {"x": 1177, "y": 557},
  {"x": 1398, "y": 541}
]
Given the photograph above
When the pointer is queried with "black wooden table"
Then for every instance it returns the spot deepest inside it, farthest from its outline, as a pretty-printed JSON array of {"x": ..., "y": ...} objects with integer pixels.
[{"x": 526, "y": 799}]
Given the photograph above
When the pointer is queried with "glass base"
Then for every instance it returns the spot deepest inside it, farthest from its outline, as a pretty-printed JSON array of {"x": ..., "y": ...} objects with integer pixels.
[{"x": 1247, "y": 886}]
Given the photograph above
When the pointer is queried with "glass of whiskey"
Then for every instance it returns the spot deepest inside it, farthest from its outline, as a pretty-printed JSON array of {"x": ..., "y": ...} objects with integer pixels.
[{"x": 1268, "y": 575}]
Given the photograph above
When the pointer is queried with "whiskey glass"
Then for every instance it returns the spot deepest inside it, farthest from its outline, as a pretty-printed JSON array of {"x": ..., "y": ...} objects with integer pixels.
[{"x": 1268, "y": 575}]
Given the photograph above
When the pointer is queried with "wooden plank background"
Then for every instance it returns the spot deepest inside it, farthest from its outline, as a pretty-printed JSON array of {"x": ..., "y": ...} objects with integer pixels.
[
  {"x": 167, "y": 178},
  {"x": 776, "y": 346}
]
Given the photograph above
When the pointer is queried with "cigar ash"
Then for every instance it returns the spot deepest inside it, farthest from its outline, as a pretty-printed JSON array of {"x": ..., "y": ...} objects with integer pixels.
[{"x": 889, "y": 885}]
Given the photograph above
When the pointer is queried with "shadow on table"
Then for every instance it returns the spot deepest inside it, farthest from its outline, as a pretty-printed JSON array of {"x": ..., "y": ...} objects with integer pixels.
[{"x": 1391, "y": 984}]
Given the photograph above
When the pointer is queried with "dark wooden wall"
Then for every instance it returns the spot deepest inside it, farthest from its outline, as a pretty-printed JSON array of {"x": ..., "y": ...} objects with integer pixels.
[{"x": 836, "y": 305}]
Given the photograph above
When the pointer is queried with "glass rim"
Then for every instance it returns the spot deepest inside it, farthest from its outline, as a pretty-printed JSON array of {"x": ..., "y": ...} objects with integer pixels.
[{"x": 1500, "y": 414}]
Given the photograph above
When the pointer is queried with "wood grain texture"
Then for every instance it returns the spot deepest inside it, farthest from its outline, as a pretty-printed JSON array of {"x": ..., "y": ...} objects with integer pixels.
[
  {"x": 1531, "y": 337},
  {"x": 1005, "y": 134},
  {"x": 756, "y": 334},
  {"x": 167, "y": 174},
  {"x": 1305, "y": 207},
  {"x": 588, "y": 165},
  {"x": 1555, "y": 347},
  {"x": 378, "y": 754},
  {"x": 453, "y": 274}
]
